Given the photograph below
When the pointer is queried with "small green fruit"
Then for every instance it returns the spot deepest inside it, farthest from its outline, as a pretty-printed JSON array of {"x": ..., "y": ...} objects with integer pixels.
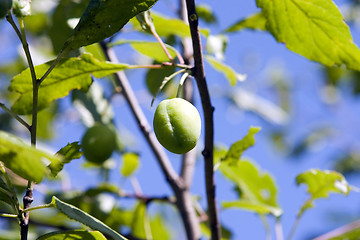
[
  {"x": 177, "y": 125},
  {"x": 5, "y": 6},
  {"x": 98, "y": 143}
]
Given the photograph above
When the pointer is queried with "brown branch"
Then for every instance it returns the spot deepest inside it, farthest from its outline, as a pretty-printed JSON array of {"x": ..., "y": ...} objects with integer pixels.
[
  {"x": 199, "y": 74},
  {"x": 339, "y": 231}
]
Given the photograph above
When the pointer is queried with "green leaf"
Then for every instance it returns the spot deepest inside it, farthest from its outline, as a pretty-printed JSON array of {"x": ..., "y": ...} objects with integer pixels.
[
  {"x": 149, "y": 49},
  {"x": 130, "y": 164},
  {"x": 70, "y": 74},
  {"x": 205, "y": 12},
  {"x": 314, "y": 29},
  {"x": 102, "y": 19},
  {"x": 5, "y": 193},
  {"x": 320, "y": 183},
  {"x": 229, "y": 73},
  {"x": 69, "y": 152},
  {"x": 73, "y": 235},
  {"x": 237, "y": 148},
  {"x": 84, "y": 218},
  {"x": 93, "y": 106},
  {"x": 155, "y": 77},
  {"x": 256, "y": 21},
  {"x": 60, "y": 29},
  {"x": 24, "y": 160},
  {"x": 258, "y": 189}
]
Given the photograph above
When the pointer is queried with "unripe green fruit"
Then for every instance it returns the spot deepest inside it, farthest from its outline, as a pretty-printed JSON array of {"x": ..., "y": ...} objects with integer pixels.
[
  {"x": 5, "y": 6},
  {"x": 177, "y": 125},
  {"x": 98, "y": 143}
]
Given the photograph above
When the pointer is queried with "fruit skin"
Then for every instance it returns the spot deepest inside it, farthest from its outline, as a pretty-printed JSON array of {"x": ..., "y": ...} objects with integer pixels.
[
  {"x": 177, "y": 125},
  {"x": 5, "y": 6},
  {"x": 98, "y": 143}
]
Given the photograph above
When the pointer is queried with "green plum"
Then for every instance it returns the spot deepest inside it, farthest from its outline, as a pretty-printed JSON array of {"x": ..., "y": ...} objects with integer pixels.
[
  {"x": 5, "y": 6},
  {"x": 177, "y": 125},
  {"x": 98, "y": 143}
]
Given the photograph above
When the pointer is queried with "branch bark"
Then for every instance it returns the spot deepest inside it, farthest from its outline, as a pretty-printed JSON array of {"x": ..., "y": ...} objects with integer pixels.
[{"x": 199, "y": 74}]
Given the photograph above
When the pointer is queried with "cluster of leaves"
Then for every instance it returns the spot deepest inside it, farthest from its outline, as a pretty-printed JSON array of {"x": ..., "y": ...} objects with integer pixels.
[{"x": 304, "y": 34}]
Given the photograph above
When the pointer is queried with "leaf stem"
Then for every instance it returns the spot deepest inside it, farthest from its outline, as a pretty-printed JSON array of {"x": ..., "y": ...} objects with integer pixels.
[
  {"x": 294, "y": 227},
  {"x": 14, "y": 115},
  {"x": 199, "y": 74},
  {"x": 279, "y": 229},
  {"x": 49, "y": 205},
  {"x": 28, "y": 198},
  {"x": 9, "y": 215},
  {"x": 53, "y": 65}
]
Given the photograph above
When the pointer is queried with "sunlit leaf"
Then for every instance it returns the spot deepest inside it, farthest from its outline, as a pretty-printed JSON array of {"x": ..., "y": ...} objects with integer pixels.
[
  {"x": 237, "y": 148},
  {"x": 320, "y": 183},
  {"x": 256, "y": 22},
  {"x": 71, "y": 73},
  {"x": 102, "y": 19},
  {"x": 149, "y": 49},
  {"x": 84, "y": 218},
  {"x": 258, "y": 189},
  {"x": 229, "y": 73},
  {"x": 314, "y": 29},
  {"x": 73, "y": 235},
  {"x": 70, "y": 152},
  {"x": 130, "y": 164},
  {"x": 166, "y": 26},
  {"x": 22, "y": 159}
]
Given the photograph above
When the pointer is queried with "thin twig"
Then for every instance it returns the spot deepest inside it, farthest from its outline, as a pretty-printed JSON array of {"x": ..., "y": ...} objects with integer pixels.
[
  {"x": 339, "y": 231},
  {"x": 199, "y": 74},
  {"x": 279, "y": 229},
  {"x": 14, "y": 115}
]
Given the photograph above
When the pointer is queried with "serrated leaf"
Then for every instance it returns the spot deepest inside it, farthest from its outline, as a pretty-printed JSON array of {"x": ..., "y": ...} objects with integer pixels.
[
  {"x": 149, "y": 49},
  {"x": 320, "y": 183},
  {"x": 22, "y": 159},
  {"x": 70, "y": 152},
  {"x": 70, "y": 74},
  {"x": 102, "y": 19},
  {"x": 237, "y": 148},
  {"x": 229, "y": 73},
  {"x": 314, "y": 29},
  {"x": 258, "y": 189},
  {"x": 130, "y": 164},
  {"x": 78, "y": 215},
  {"x": 256, "y": 21},
  {"x": 73, "y": 235}
]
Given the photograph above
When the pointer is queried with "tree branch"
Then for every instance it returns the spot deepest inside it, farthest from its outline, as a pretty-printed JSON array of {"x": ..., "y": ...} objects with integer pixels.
[{"x": 199, "y": 74}]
